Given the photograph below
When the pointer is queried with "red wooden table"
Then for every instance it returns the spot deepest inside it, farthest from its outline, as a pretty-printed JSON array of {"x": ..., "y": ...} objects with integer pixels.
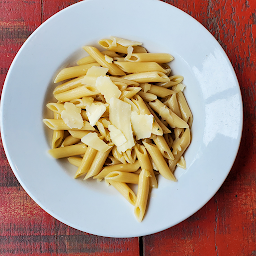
[{"x": 226, "y": 225}]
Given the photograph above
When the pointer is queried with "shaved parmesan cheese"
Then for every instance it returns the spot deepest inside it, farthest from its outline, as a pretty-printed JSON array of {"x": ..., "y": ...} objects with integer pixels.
[
  {"x": 108, "y": 59},
  {"x": 97, "y": 71},
  {"x": 142, "y": 125},
  {"x": 120, "y": 117},
  {"x": 72, "y": 116},
  {"x": 92, "y": 74},
  {"x": 116, "y": 136},
  {"x": 107, "y": 88},
  {"x": 125, "y": 42},
  {"x": 95, "y": 111},
  {"x": 92, "y": 140},
  {"x": 178, "y": 87}
]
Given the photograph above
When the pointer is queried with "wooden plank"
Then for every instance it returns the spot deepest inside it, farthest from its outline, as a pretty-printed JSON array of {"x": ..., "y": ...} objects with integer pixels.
[
  {"x": 226, "y": 224},
  {"x": 24, "y": 227}
]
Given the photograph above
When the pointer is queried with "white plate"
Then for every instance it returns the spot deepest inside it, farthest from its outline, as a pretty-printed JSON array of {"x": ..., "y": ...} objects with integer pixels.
[{"x": 212, "y": 92}]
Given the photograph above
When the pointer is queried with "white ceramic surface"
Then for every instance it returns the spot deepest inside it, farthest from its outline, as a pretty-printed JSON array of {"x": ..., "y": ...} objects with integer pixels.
[{"x": 212, "y": 92}]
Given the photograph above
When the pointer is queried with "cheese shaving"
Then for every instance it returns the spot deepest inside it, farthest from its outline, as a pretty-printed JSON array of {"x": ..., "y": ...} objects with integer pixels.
[
  {"x": 107, "y": 88},
  {"x": 92, "y": 140},
  {"x": 141, "y": 131},
  {"x": 116, "y": 136},
  {"x": 95, "y": 111},
  {"x": 72, "y": 116}
]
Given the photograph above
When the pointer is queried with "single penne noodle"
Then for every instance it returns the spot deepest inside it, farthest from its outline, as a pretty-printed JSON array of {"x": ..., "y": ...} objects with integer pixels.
[
  {"x": 72, "y": 72},
  {"x": 184, "y": 109},
  {"x": 129, "y": 92},
  {"x": 78, "y": 134},
  {"x": 158, "y": 121},
  {"x": 151, "y": 57},
  {"x": 171, "y": 118},
  {"x": 56, "y": 107},
  {"x": 178, "y": 132},
  {"x": 121, "y": 86},
  {"x": 173, "y": 104},
  {"x": 57, "y": 138},
  {"x": 76, "y": 93},
  {"x": 159, "y": 161},
  {"x": 72, "y": 150},
  {"x": 108, "y": 44},
  {"x": 125, "y": 177},
  {"x": 179, "y": 147},
  {"x": 69, "y": 85},
  {"x": 174, "y": 80},
  {"x": 182, "y": 163},
  {"x": 122, "y": 80},
  {"x": 138, "y": 67},
  {"x": 89, "y": 59},
  {"x": 60, "y": 125},
  {"x": 57, "y": 135},
  {"x": 99, "y": 57},
  {"x": 147, "y": 96},
  {"x": 169, "y": 140},
  {"x": 112, "y": 161},
  {"x": 163, "y": 146},
  {"x": 159, "y": 91},
  {"x": 118, "y": 156},
  {"x": 83, "y": 102},
  {"x": 139, "y": 49},
  {"x": 97, "y": 163},
  {"x": 125, "y": 191},
  {"x": 133, "y": 106},
  {"x": 167, "y": 68},
  {"x": 147, "y": 77},
  {"x": 118, "y": 167},
  {"x": 75, "y": 160},
  {"x": 145, "y": 163},
  {"x": 178, "y": 87},
  {"x": 87, "y": 161},
  {"x": 130, "y": 156},
  {"x": 143, "y": 109},
  {"x": 70, "y": 140},
  {"x": 142, "y": 195}
]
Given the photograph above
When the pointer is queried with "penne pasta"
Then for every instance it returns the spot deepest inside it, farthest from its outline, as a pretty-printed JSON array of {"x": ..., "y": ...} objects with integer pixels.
[
  {"x": 72, "y": 150},
  {"x": 142, "y": 195},
  {"x": 159, "y": 161},
  {"x": 60, "y": 125},
  {"x": 76, "y": 93},
  {"x": 145, "y": 164},
  {"x": 70, "y": 140},
  {"x": 125, "y": 191},
  {"x": 121, "y": 116},
  {"x": 138, "y": 67},
  {"x": 99, "y": 57},
  {"x": 86, "y": 162},
  {"x": 147, "y": 77},
  {"x": 125, "y": 177},
  {"x": 74, "y": 160},
  {"x": 97, "y": 164},
  {"x": 171, "y": 118},
  {"x": 57, "y": 135},
  {"x": 155, "y": 57},
  {"x": 72, "y": 72}
]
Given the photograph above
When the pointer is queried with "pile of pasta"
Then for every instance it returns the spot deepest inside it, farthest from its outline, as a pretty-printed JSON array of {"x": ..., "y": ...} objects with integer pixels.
[{"x": 121, "y": 116}]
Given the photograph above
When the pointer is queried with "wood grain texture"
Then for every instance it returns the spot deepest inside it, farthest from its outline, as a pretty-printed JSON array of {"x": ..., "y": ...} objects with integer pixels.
[
  {"x": 26, "y": 229},
  {"x": 224, "y": 226}
]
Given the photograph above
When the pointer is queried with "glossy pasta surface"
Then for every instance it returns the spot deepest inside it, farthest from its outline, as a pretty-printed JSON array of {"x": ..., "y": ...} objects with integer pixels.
[{"x": 121, "y": 116}]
